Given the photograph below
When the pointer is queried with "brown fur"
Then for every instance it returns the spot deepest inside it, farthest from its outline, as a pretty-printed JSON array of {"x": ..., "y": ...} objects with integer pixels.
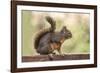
[
  {"x": 48, "y": 40},
  {"x": 39, "y": 36}
]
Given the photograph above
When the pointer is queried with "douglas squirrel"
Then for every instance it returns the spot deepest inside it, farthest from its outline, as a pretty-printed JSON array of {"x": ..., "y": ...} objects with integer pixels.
[{"x": 47, "y": 41}]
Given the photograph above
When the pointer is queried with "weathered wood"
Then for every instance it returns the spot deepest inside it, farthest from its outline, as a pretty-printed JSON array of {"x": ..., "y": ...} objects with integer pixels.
[{"x": 55, "y": 57}]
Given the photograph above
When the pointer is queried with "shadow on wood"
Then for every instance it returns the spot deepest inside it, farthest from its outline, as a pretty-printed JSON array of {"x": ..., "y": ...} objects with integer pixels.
[{"x": 40, "y": 58}]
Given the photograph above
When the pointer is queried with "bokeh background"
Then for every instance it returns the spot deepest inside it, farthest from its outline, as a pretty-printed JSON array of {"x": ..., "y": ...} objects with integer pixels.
[{"x": 77, "y": 23}]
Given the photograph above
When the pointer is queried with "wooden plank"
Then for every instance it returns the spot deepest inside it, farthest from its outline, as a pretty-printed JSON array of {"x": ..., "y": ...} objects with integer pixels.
[{"x": 55, "y": 57}]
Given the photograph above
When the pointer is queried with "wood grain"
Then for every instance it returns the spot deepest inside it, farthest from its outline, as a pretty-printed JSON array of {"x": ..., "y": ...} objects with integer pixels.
[{"x": 40, "y": 58}]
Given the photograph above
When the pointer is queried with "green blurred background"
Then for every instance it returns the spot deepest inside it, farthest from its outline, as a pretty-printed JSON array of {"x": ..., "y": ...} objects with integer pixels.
[{"x": 77, "y": 23}]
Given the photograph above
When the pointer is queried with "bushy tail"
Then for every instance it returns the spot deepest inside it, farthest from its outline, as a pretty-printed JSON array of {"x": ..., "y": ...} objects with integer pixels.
[
  {"x": 52, "y": 22},
  {"x": 45, "y": 31}
]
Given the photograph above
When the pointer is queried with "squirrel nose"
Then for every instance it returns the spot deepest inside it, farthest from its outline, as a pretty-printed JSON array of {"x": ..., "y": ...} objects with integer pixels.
[{"x": 71, "y": 35}]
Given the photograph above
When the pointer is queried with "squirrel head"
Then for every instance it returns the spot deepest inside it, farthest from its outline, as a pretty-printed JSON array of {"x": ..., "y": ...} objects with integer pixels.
[{"x": 66, "y": 33}]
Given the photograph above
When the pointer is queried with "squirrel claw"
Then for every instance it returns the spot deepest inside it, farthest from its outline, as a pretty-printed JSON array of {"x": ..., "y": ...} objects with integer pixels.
[
  {"x": 54, "y": 53},
  {"x": 63, "y": 55}
]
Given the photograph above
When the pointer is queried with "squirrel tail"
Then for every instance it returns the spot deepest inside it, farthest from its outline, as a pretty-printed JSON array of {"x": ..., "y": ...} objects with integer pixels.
[
  {"x": 45, "y": 31},
  {"x": 51, "y": 22}
]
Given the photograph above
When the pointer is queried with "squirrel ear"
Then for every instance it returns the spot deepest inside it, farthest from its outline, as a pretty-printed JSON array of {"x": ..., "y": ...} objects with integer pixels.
[{"x": 64, "y": 27}]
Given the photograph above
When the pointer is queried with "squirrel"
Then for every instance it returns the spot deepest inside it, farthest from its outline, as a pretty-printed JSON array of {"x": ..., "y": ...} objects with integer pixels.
[{"x": 49, "y": 40}]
